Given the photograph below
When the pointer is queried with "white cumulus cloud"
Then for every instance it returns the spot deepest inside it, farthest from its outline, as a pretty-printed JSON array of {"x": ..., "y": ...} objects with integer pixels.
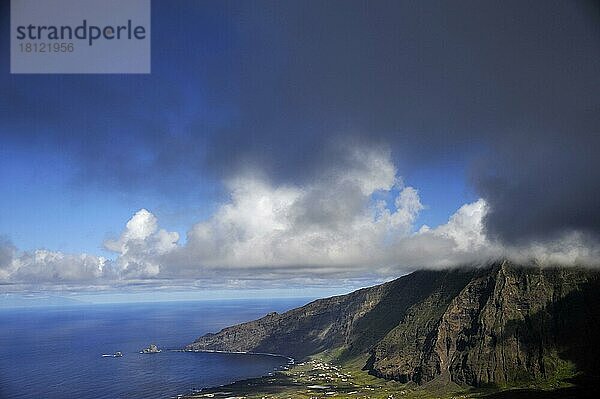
[
  {"x": 141, "y": 246},
  {"x": 352, "y": 221}
]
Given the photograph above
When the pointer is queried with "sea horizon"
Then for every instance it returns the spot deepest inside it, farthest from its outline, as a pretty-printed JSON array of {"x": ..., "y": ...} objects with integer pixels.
[{"x": 56, "y": 351}]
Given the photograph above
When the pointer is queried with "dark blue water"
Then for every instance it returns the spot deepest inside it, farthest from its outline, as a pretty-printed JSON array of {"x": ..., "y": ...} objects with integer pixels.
[{"x": 56, "y": 352}]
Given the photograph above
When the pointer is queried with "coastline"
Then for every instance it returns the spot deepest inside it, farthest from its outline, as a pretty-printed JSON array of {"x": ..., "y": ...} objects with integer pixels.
[
  {"x": 318, "y": 379},
  {"x": 217, "y": 391},
  {"x": 289, "y": 359},
  {"x": 314, "y": 379}
]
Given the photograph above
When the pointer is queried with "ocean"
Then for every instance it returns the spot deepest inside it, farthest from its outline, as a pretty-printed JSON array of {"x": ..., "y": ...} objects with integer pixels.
[{"x": 56, "y": 352}]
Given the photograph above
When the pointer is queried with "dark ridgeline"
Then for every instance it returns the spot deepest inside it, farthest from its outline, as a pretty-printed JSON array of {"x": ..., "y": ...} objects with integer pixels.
[{"x": 502, "y": 324}]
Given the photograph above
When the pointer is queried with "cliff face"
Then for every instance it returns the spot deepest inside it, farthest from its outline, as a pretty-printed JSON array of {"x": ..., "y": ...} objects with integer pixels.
[
  {"x": 507, "y": 325},
  {"x": 353, "y": 322},
  {"x": 502, "y": 324}
]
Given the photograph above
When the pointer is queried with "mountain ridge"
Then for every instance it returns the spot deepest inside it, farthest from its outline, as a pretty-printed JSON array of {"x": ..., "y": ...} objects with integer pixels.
[{"x": 502, "y": 324}]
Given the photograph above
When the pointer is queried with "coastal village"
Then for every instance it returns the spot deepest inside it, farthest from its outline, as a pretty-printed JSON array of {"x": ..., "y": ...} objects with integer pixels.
[{"x": 315, "y": 379}]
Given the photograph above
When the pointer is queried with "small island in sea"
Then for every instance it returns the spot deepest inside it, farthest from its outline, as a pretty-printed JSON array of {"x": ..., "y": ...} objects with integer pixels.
[
  {"x": 116, "y": 354},
  {"x": 151, "y": 349}
]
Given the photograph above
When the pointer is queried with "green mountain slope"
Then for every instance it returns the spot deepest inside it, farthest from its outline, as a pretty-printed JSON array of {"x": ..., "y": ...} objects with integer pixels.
[{"x": 502, "y": 324}]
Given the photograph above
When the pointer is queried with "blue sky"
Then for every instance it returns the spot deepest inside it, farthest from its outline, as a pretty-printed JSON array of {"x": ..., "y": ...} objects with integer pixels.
[{"x": 41, "y": 206}]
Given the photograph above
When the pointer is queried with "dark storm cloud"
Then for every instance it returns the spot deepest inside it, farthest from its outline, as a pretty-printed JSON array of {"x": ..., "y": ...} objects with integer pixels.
[
  {"x": 538, "y": 189},
  {"x": 511, "y": 87}
]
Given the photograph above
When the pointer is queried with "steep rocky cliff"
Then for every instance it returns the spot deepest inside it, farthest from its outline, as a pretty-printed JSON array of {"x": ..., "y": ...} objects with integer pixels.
[{"x": 501, "y": 324}]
